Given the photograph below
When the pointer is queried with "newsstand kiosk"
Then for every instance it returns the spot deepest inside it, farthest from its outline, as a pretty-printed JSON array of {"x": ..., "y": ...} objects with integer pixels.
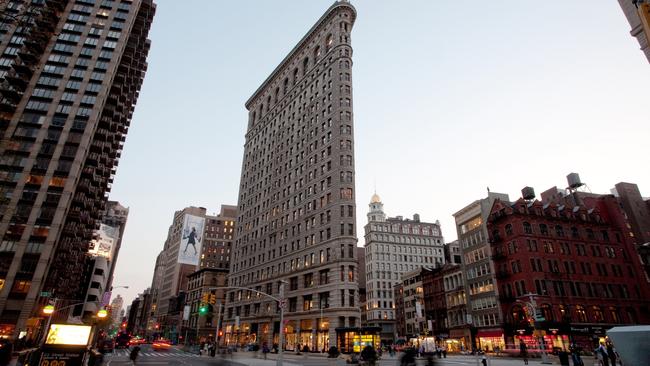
[{"x": 65, "y": 345}]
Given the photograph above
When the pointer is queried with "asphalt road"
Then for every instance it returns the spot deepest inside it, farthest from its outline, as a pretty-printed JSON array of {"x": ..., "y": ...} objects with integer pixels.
[{"x": 147, "y": 356}]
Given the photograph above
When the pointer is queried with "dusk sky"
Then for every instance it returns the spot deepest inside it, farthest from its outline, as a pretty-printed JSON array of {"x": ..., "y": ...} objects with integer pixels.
[{"x": 449, "y": 98}]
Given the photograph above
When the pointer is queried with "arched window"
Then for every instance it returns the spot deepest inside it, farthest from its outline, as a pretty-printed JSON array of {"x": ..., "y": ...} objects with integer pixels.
[
  {"x": 295, "y": 76},
  {"x": 527, "y": 228},
  {"x": 581, "y": 314},
  {"x": 598, "y": 315},
  {"x": 559, "y": 231},
  {"x": 615, "y": 314},
  {"x": 590, "y": 234},
  {"x": 518, "y": 314},
  {"x": 509, "y": 229},
  {"x": 543, "y": 229},
  {"x": 285, "y": 86},
  {"x": 565, "y": 314},
  {"x": 268, "y": 103},
  {"x": 316, "y": 54},
  {"x": 328, "y": 42},
  {"x": 305, "y": 66},
  {"x": 276, "y": 95},
  {"x": 574, "y": 232}
]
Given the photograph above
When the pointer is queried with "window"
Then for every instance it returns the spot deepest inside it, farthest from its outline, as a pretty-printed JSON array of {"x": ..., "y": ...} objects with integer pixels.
[
  {"x": 509, "y": 229},
  {"x": 527, "y": 228},
  {"x": 543, "y": 229}
]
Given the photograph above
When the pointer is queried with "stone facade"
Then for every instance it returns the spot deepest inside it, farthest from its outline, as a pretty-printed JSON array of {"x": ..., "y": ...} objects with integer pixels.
[
  {"x": 395, "y": 246},
  {"x": 296, "y": 220},
  {"x": 477, "y": 265}
]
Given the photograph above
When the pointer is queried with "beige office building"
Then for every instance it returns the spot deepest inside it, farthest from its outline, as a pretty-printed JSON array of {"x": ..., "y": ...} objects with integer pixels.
[{"x": 296, "y": 218}]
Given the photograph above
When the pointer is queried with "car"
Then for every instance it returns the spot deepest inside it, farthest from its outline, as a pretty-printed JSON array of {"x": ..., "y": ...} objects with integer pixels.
[
  {"x": 122, "y": 340},
  {"x": 106, "y": 345},
  {"x": 136, "y": 341},
  {"x": 161, "y": 345}
]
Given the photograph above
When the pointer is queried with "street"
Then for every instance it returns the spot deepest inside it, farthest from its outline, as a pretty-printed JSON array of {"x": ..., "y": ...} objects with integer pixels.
[
  {"x": 178, "y": 357},
  {"x": 173, "y": 356}
]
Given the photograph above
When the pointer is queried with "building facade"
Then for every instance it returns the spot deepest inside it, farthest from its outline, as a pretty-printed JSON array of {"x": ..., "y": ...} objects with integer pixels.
[
  {"x": 171, "y": 273},
  {"x": 459, "y": 336},
  {"x": 415, "y": 324},
  {"x": 70, "y": 74},
  {"x": 576, "y": 259},
  {"x": 296, "y": 219},
  {"x": 117, "y": 306},
  {"x": 480, "y": 282},
  {"x": 452, "y": 253},
  {"x": 638, "y": 15},
  {"x": 395, "y": 246},
  {"x": 218, "y": 237},
  {"x": 206, "y": 303}
]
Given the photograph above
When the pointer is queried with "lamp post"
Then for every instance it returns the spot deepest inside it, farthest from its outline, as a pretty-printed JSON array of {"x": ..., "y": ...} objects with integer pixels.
[
  {"x": 49, "y": 310},
  {"x": 281, "y": 304},
  {"x": 532, "y": 304}
]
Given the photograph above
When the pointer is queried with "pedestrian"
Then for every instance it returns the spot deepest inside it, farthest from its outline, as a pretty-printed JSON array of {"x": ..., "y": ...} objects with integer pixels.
[
  {"x": 575, "y": 354},
  {"x": 611, "y": 352},
  {"x": 6, "y": 349},
  {"x": 523, "y": 350},
  {"x": 265, "y": 350},
  {"x": 484, "y": 360},
  {"x": 601, "y": 355},
  {"x": 134, "y": 354}
]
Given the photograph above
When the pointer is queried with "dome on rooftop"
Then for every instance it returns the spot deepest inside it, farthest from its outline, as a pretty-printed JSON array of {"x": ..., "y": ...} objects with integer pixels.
[{"x": 375, "y": 199}]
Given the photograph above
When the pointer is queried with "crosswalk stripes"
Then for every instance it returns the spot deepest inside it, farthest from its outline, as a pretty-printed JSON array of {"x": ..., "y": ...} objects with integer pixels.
[{"x": 163, "y": 354}]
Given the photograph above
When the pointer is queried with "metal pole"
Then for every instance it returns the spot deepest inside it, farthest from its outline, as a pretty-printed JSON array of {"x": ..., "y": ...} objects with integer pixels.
[
  {"x": 540, "y": 340},
  {"x": 216, "y": 333},
  {"x": 49, "y": 321},
  {"x": 282, "y": 304}
]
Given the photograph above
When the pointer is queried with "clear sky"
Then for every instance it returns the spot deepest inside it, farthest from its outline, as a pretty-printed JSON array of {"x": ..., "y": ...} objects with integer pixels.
[{"x": 450, "y": 97}]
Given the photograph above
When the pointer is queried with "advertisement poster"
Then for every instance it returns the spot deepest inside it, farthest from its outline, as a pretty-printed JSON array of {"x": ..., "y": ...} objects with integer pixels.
[
  {"x": 103, "y": 244},
  {"x": 189, "y": 251}
]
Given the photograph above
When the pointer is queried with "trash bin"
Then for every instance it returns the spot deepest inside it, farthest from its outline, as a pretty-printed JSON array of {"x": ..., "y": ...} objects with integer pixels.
[{"x": 564, "y": 358}]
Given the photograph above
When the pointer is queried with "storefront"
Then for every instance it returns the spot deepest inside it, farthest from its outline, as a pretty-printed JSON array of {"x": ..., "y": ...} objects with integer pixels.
[
  {"x": 354, "y": 339},
  {"x": 458, "y": 341},
  {"x": 323, "y": 336},
  {"x": 488, "y": 339}
]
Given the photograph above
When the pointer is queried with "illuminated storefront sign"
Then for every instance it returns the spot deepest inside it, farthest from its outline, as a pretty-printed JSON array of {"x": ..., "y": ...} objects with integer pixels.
[{"x": 66, "y": 334}]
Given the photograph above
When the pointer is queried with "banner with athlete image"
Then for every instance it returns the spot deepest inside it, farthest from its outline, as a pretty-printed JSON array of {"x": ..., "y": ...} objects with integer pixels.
[{"x": 189, "y": 251}]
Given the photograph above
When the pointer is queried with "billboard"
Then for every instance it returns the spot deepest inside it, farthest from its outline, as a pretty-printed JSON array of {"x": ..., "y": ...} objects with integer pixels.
[
  {"x": 68, "y": 334},
  {"x": 104, "y": 243},
  {"x": 189, "y": 251}
]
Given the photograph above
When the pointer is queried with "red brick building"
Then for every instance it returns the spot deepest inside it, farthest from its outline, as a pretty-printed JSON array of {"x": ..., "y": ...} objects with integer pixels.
[{"x": 576, "y": 255}]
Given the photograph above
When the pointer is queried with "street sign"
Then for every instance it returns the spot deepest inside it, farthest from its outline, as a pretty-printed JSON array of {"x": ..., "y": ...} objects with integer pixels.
[
  {"x": 283, "y": 303},
  {"x": 45, "y": 294}
]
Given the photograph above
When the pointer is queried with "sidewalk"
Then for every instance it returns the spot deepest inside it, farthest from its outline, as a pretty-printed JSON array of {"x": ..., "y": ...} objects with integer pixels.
[{"x": 249, "y": 359}]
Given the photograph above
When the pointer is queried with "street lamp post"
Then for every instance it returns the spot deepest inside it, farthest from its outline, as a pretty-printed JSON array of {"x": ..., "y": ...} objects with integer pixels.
[
  {"x": 533, "y": 306},
  {"x": 281, "y": 302}
]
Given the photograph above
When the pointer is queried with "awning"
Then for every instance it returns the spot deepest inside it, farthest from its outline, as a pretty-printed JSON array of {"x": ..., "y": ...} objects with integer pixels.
[{"x": 490, "y": 333}]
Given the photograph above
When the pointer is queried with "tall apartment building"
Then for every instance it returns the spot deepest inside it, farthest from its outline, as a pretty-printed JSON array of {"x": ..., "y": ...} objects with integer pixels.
[
  {"x": 104, "y": 250},
  {"x": 477, "y": 265},
  {"x": 195, "y": 240},
  {"x": 115, "y": 216},
  {"x": 296, "y": 218},
  {"x": 395, "y": 246},
  {"x": 70, "y": 74},
  {"x": 637, "y": 13},
  {"x": 218, "y": 238},
  {"x": 116, "y": 309}
]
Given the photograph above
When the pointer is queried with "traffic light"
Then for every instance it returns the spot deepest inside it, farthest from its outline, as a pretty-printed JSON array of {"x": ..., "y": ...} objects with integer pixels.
[
  {"x": 213, "y": 299},
  {"x": 205, "y": 297},
  {"x": 203, "y": 309},
  {"x": 220, "y": 333}
]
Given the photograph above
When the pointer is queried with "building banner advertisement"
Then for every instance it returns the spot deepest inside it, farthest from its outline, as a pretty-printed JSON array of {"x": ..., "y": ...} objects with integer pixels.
[{"x": 189, "y": 251}]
